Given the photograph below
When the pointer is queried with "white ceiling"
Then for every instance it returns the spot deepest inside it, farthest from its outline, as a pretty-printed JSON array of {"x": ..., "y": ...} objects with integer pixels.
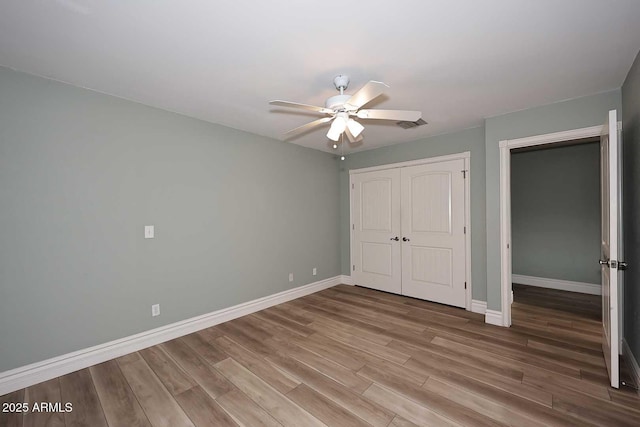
[{"x": 222, "y": 61}]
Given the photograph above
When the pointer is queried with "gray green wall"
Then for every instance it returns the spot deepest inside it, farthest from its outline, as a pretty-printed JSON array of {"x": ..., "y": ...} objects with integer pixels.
[
  {"x": 631, "y": 198},
  {"x": 555, "y": 213},
  {"x": 81, "y": 173},
  {"x": 573, "y": 114},
  {"x": 468, "y": 140}
]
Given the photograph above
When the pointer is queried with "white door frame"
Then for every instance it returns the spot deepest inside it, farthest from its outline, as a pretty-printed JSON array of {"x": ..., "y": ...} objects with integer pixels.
[
  {"x": 466, "y": 155},
  {"x": 505, "y": 199}
]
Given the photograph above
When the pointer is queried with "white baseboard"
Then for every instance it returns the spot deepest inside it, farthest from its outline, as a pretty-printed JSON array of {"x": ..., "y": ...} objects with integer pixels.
[
  {"x": 346, "y": 280},
  {"x": 632, "y": 361},
  {"x": 564, "y": 285},
  {"x": 478, "y": 306},
  {"x": 493, "y": 317},
  {"x": 38, "y": 372}
]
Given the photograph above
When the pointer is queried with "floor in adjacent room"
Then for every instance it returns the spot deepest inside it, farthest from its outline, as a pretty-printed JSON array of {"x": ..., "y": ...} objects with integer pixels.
[
  {"x": 350, "y": 356},
  {"x": 585, "y": 306}
]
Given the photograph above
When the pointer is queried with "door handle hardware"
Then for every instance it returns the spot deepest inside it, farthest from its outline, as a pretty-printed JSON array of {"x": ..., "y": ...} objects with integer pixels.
[
  {"x": 405, "y": 239},
  {"x": 395, "y": 238},
  {"x": 618, "y": 265}
]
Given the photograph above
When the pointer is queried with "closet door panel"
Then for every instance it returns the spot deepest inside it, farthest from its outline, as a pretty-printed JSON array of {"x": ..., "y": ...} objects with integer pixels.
[
  {"x": 433, "y": 247},
  {"x": 375, "y": 215}
]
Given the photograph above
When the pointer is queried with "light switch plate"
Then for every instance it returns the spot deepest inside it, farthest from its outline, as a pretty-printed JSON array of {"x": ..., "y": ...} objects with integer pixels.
[
  {"x": 291, "y": 277},
  {"x": 315, "y": 271},
  {"x": 155, "y": 310},
  {"x": 149, "y": 232}
]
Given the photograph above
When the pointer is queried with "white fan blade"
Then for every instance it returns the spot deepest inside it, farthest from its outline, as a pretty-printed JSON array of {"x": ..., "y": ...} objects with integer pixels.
[
  {"x": 352, "y": 139},
  {"x": 308, "y": 126},
  {"x": 301, "y": 106},
  {"x": 399, "y": 115},
  {"x": 368, "y": 92}
]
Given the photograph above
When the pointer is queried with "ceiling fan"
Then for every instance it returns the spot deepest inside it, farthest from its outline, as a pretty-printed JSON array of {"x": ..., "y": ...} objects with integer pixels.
[{"x": 343, "y": 109}]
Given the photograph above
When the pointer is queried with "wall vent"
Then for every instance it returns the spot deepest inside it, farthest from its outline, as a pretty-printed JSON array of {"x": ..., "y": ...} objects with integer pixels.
[{"x": 409, "y": 125}]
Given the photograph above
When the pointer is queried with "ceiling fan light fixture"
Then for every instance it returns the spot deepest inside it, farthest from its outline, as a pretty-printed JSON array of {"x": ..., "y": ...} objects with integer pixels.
[
  {"x": 355, "y": 128},
  {"x": 333, "y": 134},
  {"x": 337, "y": 127}
]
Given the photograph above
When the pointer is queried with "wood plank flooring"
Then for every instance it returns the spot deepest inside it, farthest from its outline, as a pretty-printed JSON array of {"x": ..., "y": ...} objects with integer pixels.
[
  {"x": 349, "y": 356},
  {"x": 585, "y": 305}
]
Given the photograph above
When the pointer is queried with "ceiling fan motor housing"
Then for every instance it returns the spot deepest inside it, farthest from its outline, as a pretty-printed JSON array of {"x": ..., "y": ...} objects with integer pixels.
[{"x": 336, "y": 102}]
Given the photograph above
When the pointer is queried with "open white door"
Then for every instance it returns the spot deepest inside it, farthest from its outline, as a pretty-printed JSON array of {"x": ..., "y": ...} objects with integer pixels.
[{"x": 609, "y": 261}]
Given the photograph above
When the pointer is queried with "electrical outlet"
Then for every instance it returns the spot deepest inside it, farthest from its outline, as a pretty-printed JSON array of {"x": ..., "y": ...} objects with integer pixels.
[
  {"x": 315, "y": 271},
  {"x": 155, "y": 310},
  {"x": 149, "y": 232},
  {"x": 291, "y": 277}
]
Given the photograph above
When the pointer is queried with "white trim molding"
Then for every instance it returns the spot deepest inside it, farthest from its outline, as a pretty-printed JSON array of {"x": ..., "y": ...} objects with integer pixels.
[
  {"x": 550, "y": 138},
  {"x": 505, "y": 234},
  {"x": 478, "y": 306},
  {"x": 346, "y": 280},
  {"x": 38, "y": 372},
  {"x": 632, "y": 362},
  {"x": 467, "y": 234},
  {"x": 446, "y": 158},
  {"x": 493, "y": 317},
  {"x": 564, "y": 285}
]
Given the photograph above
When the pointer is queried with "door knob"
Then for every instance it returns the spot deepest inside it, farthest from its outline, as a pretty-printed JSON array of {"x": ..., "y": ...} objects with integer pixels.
[
  {"x": 395, "y": 238},
  {"x": 405, "y": 239},
  {"x": 618, "y": 265}
]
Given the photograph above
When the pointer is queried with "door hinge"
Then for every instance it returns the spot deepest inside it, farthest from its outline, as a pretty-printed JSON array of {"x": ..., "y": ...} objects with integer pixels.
[
  {"x": 465, "y": 230},
  {"x": 465, "y": 285},
  {"x": 464, "y": 174},
  {"x": 353, "y": 226},
  {"x": 353, "y": 186},
  {"x": 354, "y": 268}
]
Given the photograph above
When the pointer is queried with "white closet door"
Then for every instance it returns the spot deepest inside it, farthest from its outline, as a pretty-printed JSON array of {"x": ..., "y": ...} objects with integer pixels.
[
  {"x": 433, "y": 247},
  {"x": 376, "y": 225}
]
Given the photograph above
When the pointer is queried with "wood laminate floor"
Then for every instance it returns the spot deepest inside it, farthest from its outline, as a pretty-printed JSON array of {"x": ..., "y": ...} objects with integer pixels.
[
  {"x": 350, "y": 356},
  {"x": 584, "y": 305}
]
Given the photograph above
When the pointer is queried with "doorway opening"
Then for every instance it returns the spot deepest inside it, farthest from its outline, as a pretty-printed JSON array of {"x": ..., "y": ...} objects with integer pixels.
[
  {"x": 555, "y": 248},
  {"x": 611, "y": 249},
  {"x": 555, "y": 234}
]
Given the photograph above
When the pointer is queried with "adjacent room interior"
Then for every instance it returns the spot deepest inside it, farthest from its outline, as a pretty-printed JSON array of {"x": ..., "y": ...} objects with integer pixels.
[
  {"x": 556, "y": 228},
  {"x": 281, "y": 214}
]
